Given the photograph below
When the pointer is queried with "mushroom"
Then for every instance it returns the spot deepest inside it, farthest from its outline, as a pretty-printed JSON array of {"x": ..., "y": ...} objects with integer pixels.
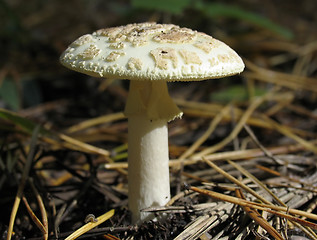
[{"x": 150, "y": 55}]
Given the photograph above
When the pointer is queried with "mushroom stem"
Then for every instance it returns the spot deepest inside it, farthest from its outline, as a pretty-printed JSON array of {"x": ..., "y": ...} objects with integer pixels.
[
  {"x": 149, "y": 107},
  {"x": 148, "y": 175}
]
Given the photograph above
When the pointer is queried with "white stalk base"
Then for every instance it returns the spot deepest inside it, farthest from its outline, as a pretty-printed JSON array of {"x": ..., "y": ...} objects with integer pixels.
[{"x": 148, "y": 173}]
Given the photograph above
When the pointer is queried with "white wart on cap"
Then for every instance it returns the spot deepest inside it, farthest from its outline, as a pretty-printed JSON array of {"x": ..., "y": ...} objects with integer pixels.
[{"x": 150, "y": 51}]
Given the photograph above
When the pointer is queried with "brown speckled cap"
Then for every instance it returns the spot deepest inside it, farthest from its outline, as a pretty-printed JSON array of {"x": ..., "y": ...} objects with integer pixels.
[{"x": 150, "y": 51}]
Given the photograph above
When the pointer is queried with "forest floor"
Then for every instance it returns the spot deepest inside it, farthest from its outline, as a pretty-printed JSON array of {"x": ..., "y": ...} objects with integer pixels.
[{"x": 243, "y": 157}]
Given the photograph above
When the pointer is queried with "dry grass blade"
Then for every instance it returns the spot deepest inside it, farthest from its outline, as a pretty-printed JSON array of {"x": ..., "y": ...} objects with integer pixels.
[
  {"x": 42, "y": 208},
  {"x": 256, "y": 216},
  {"x": 35, "y": 218},
  {"x": 84, "y": 146},
  {"x": 57, "y": 140},
  {"x": 236, "y": 181},
  {"x": 214, "y": 123},
  {"x": 303, "y": 111},
  {"x": 288, "y": 132},
  {"x": 25, "y": 175},
  {"x": 63, "y": 211},
  {"x": 96, "y": 121},
  {"x": 254, "y": 205},
  {"x": 305, "y": 186},
  {"x": 110, "y": 237},
  {"x": 257, "y": 142},
  {"x": 90, "y": 225},
  {"x": 295, "y": 220},
  {"x": 280, "y": 104},
  {"x": 175, "y": 198},
  {"x": 210, "y": 110},
  {"x": 256, "y": 181},
  {"x": 250, "y": 153},
  {"x": 254, "y": 105},
  {"x": 281, "y": 79},
  {"x": 181, "y": 209},
  {"x": 232, "y": 155}
]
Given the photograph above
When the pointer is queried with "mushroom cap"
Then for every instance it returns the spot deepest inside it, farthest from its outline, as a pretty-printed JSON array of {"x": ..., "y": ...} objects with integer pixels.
[{"x": 151, "y": 51}]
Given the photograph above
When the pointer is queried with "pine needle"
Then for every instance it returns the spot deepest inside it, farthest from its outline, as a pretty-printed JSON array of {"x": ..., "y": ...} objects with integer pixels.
[
  {"x": 90, "y": 225},
  {"x": 24, "y": 178}
]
